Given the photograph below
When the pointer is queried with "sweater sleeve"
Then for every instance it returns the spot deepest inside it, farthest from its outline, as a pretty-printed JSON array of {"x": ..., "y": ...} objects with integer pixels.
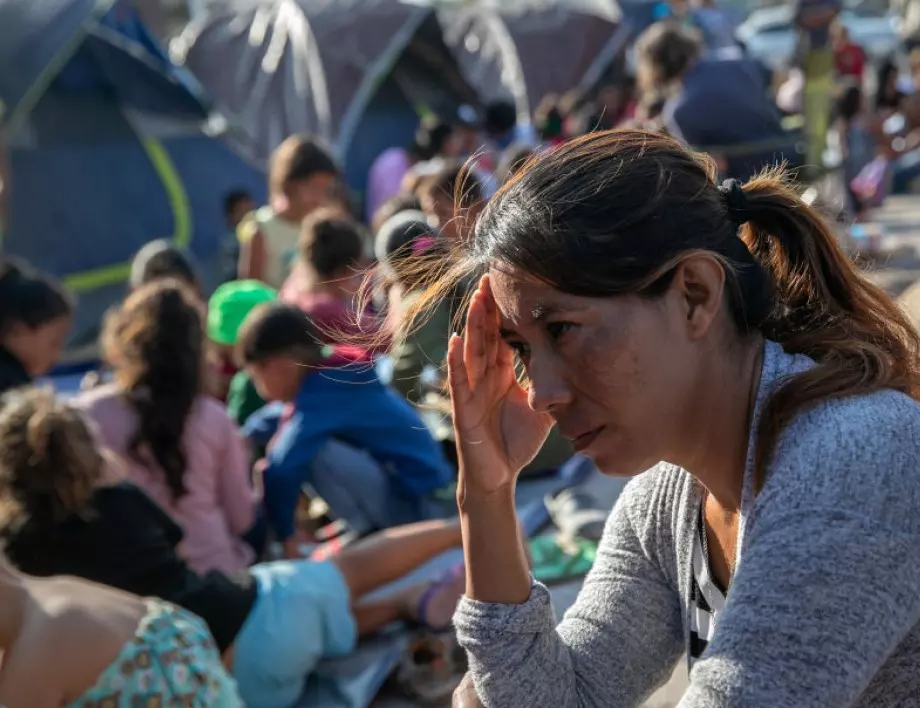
[
  {"x": 616, "y": 645},
  {"x": 826, "y": 588}
]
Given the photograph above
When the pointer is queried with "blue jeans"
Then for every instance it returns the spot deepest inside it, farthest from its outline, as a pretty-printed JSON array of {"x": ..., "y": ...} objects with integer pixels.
[{"x": 363, "y": 493}]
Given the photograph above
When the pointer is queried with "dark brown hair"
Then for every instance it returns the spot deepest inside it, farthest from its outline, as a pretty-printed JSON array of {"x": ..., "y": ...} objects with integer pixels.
[
  {"x": 615, "y": 212},
  {"x": 664, "y": 52},
  {"x": 298, "y": 158},
  {"x": 30, "y": 298},
  {"x": 49, "y": 462},
  {"x": 277, "y": 329},
  {"x": 154, "y": 343},
  {"x": 329, "y": 243}
]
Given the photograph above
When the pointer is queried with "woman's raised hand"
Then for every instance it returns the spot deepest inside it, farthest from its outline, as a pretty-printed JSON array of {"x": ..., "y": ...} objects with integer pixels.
[{"x": 497, "y": 432}]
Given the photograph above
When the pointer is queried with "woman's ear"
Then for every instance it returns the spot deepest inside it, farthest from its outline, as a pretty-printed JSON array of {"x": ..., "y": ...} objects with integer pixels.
[{"x": 699, "y": 282}]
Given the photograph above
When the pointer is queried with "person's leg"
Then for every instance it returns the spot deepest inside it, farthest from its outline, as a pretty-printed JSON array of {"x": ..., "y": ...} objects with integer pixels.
[
  {"x": 431, "y": 604},
  {"x": 388, "y": 555},
  {"x": 357, "y": 489}
]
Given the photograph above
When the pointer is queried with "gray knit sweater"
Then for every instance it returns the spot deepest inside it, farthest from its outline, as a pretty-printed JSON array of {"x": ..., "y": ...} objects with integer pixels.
[{"x": 823, "y": 610}]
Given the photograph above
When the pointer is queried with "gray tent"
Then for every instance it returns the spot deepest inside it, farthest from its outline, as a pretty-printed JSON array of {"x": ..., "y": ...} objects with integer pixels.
[
  {"x": 335, "y": 68},
  {"x": 523, "y": 50}
]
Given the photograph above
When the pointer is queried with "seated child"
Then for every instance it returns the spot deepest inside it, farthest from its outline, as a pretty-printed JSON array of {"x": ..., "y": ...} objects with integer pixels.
[
  {"x": 272, "y": 622},
  {"x": 35, "y": 317},
  {"x": 162, "y": 259},
  {"x": 302, "y": 177},
  {"x": 330, "y": 271},
  {"x": 418, "y": 356},
  {"x": 238, "y": 204},
  {"x": 155, "y": 261},
  {"x": 177, "y": 443},
  {"x": 106, "y": 647},
  {"x": 227, "y": 309},
  {"x": 358, "y": 444}
]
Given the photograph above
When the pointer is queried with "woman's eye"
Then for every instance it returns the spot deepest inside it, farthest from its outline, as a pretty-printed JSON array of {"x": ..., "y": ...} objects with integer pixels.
[
  {"x": 518, "y": 348},
  {"x": 558, "y": 329}
]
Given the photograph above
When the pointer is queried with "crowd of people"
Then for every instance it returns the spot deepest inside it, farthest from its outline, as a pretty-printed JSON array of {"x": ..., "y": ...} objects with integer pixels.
[{"x": 179, "y": 488}]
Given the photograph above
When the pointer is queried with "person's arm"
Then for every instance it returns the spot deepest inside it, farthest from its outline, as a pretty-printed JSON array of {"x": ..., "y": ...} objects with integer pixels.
[
  {"x": 827, "y": 586},
  {"x": 262, "y": 425},
  {"x": 252, "y": 256},
  {"x": 234, "y": 490},
  {"x": 617, "y": 644},
  {"x": 287, "y": 469}
]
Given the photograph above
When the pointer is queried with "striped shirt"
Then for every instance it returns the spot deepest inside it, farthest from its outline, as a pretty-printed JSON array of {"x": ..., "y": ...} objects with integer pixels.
[{"x": 707, "y": 597}]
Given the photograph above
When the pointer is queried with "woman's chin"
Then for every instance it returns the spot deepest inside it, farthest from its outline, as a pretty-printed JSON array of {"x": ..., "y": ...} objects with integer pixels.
[{"x": 615, "y": 465}]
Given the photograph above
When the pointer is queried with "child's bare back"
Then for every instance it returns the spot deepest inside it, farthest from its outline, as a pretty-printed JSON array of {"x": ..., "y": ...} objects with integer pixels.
[{"x": 63, "y": 633}]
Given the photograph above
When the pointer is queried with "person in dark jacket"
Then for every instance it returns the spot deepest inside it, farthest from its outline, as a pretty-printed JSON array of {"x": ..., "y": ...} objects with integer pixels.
[
  {"x": 717, "y": 102},
  {"x": 35, "y": 318}
]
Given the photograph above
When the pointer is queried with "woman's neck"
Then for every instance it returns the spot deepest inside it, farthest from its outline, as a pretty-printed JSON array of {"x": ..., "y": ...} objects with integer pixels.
[{"x": 717, "y": 441}]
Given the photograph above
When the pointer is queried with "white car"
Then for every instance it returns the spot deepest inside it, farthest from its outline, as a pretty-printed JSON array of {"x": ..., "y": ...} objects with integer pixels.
[{"x": 770, "y": 36}]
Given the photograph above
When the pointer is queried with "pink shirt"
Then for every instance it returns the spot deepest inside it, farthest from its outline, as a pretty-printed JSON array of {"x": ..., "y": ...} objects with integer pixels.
[{"x": 219, "y": 504}]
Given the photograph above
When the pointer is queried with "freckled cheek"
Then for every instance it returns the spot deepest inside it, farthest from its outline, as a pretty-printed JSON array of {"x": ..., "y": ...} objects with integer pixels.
[{"x": 607, "y": 373}]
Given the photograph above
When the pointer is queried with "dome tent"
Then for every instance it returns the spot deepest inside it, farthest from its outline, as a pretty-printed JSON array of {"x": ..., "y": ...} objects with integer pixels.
[
  {"x": 357, "y": 73},
  {"x": 524, "y": 50},
  {"x": 109, "y": 146}
]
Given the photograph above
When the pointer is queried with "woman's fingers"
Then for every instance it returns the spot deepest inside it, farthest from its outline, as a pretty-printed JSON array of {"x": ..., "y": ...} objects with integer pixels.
[
  {"x": 491, "y": 326},
  {"x": 460, "y": 393},
  {"x": 474, "y": 338}
]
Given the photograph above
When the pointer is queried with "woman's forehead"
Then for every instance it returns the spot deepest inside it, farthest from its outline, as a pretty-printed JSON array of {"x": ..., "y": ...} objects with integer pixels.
[{"x": 523, "y": 298}]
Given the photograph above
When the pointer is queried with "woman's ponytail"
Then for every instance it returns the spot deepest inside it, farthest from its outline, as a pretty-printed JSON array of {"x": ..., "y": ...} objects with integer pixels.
[{"x": 823, "y": 308}]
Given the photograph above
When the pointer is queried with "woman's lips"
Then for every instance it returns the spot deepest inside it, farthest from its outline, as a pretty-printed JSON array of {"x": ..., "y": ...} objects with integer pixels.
[{"x": 583, "y": 441}]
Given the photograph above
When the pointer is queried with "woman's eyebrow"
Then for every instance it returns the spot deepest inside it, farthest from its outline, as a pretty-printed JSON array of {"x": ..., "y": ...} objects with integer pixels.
[{"x": 542, "y": 310}]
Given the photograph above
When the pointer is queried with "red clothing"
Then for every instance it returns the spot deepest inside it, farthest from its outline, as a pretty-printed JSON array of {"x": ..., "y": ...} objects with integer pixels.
[{"x": 850, "y": 60}]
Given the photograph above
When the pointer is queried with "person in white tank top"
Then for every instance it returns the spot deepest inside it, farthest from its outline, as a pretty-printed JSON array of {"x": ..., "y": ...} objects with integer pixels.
[{"x": 302, "y": 177}]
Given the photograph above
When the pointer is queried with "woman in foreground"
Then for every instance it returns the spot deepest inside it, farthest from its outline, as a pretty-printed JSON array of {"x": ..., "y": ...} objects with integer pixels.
[{"x": 762, "y": 394}]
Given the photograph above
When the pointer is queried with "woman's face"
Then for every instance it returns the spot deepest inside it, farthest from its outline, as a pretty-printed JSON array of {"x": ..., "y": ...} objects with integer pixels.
[
  {"x": 39, "y": 348},
  {"x": 615, "y": 373}
]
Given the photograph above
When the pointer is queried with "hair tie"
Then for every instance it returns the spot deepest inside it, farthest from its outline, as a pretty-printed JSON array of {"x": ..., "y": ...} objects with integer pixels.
[{"x": 735, "y": 201}]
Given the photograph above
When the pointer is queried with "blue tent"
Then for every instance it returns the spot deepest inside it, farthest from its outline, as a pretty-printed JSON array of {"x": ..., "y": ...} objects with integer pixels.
[{"x": 109, "y": 146}]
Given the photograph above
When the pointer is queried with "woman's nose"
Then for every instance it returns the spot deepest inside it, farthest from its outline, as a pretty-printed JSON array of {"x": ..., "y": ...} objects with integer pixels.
[{"x": 548, "y": 390}]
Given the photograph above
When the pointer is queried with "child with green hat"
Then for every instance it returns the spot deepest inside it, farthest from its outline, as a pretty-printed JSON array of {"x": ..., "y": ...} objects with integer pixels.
[{"x": 228, "y": 308}]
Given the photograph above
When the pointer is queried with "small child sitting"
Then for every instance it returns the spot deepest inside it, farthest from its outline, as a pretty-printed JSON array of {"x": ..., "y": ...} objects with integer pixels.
[
  {"x": 65, "y": 514},
  {"x": 162, "y": 260},
  {"x": 227, "y": 309},
  {"x": 106, "y": 647},
  {"x": 328, "y": 276},
  {"x": 358, "y": 444}
]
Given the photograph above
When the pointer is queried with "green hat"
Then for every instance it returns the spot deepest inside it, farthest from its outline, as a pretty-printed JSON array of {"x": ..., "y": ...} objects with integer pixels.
[{"x": 229, "y": 306}]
